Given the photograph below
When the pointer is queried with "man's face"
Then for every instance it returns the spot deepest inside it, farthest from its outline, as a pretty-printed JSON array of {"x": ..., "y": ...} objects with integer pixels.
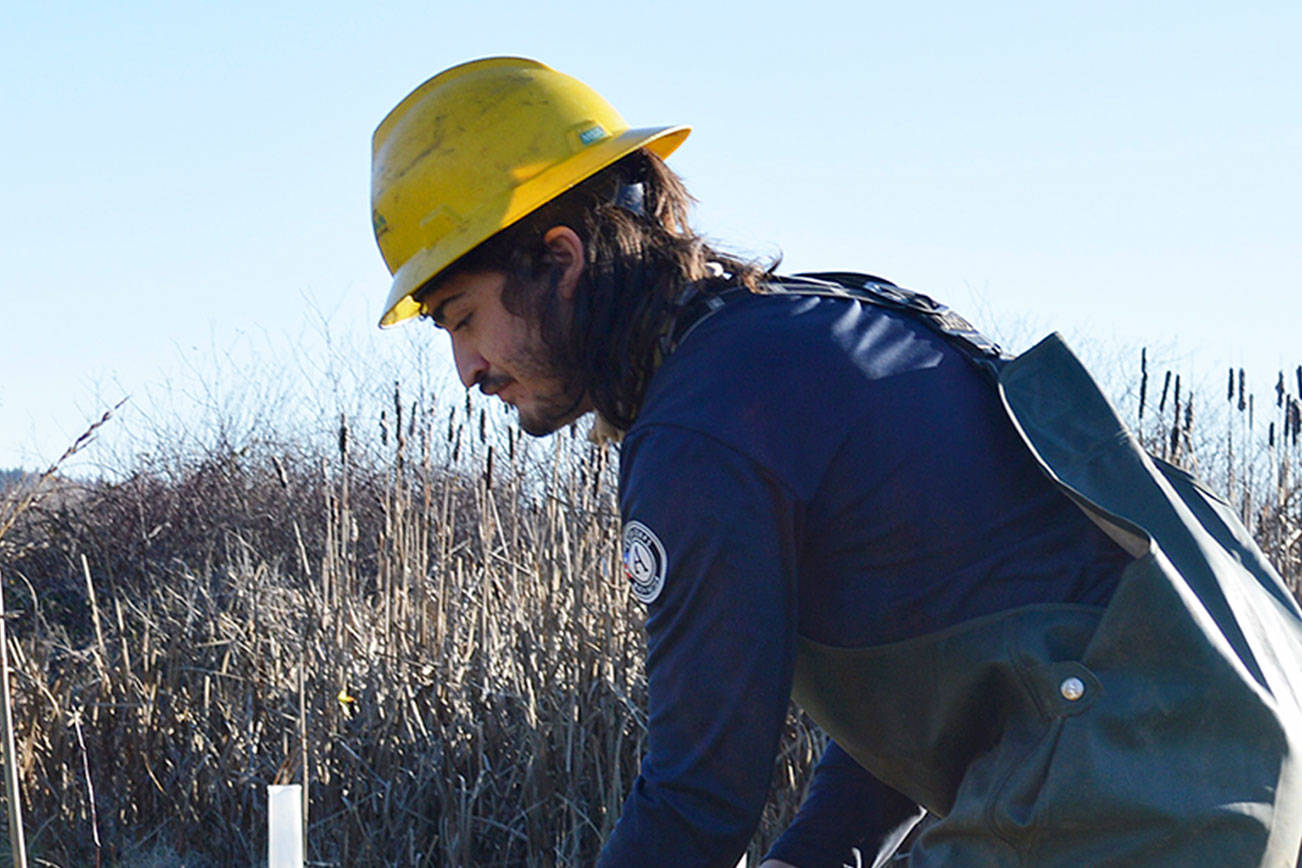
[{"x": 502, "y": 353}]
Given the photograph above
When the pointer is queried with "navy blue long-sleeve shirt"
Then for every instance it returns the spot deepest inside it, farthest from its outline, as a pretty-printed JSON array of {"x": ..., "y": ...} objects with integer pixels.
[{"x": 821, "y": 467}]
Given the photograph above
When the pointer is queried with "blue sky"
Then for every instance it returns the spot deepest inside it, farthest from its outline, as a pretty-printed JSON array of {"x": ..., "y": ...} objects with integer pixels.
[{"x": 186, "y": 184}]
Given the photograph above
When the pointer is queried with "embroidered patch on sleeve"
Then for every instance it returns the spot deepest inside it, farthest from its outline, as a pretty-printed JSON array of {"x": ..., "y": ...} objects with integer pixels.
[{"x": 644, "y": 561}]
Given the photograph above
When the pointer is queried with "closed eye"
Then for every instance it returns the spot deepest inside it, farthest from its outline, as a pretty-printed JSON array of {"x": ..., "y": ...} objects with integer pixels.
[{"x": 439, "y": 313}]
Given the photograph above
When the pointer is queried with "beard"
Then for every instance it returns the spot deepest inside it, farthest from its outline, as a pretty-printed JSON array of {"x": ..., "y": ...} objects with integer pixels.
[
  {"x": 554, "y": 397},
  {"x": 564, "y": 397},
  {"x": 550, "y": 412}
]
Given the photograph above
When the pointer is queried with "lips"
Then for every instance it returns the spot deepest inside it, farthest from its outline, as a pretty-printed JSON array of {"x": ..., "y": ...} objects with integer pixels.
[
  {"x": 495, "y": 385},
  {"x": 498, "y": 386}
]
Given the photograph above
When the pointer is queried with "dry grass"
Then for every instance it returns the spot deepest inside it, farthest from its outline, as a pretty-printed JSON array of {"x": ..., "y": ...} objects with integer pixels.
[
  {"x": 427, "y": 615},
  {"x": 441, "y": 623},
  {"x": 1250, "y": 453}
]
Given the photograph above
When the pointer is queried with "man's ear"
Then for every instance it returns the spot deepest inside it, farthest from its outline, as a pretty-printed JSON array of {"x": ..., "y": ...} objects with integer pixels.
[{"x": 565, "y": 248}]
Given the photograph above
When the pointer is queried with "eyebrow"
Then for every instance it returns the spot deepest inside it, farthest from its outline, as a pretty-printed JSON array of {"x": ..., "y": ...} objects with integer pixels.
[{"x": 439, "y": 311}]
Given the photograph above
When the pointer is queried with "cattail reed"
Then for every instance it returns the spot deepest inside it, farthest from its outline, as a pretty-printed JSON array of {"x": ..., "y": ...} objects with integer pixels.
[
  {"x": 1143, "y": 381},
  {"x": 446, "y": 646}
]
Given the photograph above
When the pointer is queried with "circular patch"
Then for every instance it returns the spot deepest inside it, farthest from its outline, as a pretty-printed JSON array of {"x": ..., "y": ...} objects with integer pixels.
[{"x": 644, "y": 561}]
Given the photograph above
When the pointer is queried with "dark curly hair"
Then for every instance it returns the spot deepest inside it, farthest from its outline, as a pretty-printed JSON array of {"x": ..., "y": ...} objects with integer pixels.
[{"x": 639, "y": 254}]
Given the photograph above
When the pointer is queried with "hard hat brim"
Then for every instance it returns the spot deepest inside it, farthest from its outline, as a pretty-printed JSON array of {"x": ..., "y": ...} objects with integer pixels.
[{"x": 524, "y": 199}]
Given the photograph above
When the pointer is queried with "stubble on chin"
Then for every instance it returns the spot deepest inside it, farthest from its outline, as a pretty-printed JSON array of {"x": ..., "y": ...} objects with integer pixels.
[{"x": 550, "y": 413}]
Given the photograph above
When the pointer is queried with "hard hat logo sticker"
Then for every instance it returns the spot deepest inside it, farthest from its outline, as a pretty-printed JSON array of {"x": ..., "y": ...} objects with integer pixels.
[
  {"x": 644, "y": 561},
  {"x": 592, "y": 134}
]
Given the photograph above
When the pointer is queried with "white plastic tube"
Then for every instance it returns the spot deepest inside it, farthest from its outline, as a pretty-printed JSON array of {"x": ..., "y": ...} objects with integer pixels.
[{"x": 285, "y": 826}]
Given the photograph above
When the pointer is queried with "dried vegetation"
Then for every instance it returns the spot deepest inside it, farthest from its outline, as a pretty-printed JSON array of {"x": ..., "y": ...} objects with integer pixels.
[
  {"x": 426, "y": 621},
  {"x": 430, "y": 619}
]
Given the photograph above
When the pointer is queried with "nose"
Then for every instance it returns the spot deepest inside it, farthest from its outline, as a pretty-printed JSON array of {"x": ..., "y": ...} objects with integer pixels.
[{"x": 471, "y": 366}]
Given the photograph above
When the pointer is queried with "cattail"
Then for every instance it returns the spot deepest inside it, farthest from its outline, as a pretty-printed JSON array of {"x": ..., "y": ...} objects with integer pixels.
[
  {"x": 1229, "y": 389},
  {"x": 1242, "y": 390},
  {"x": 397, "y": 407},
  {"x": 399, "y": 439},
  {"x": 1166, "y": 384},
  {"x": 483, "y": 436},
  {"x": 343, "y": 437},
  {"x": 1279, "y": 390},
  {"x": 384, "y": 427},
  {"x": 488, "y": 469},
  {"x": 1143, "y": 380},
  {"x": 1175, "y": 421}
]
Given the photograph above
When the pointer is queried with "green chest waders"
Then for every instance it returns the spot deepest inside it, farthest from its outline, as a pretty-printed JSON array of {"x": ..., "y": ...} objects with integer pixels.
[{"x": 1162, "y": 730}]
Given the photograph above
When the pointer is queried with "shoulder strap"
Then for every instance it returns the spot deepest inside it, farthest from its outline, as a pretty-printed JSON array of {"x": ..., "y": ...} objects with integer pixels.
[{"x": 987, "y": 355}]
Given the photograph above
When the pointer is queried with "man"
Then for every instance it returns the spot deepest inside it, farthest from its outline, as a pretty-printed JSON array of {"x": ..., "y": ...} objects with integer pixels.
[{"x": 960, "y": 565}]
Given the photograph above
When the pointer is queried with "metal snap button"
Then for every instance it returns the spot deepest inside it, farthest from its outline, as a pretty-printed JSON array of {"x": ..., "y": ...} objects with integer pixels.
[{"x": 1072, "y": 689}]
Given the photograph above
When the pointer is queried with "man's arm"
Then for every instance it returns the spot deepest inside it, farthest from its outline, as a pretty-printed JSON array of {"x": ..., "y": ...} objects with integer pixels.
[
  {"x": 713, "y": 551},
  {"x": 846, "y": 807},
  {"x": 711, "y": 540}
]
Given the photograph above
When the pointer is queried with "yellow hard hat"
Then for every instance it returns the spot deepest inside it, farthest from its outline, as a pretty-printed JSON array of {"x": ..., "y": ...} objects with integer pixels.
[{"x": 476, "y": 148}]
